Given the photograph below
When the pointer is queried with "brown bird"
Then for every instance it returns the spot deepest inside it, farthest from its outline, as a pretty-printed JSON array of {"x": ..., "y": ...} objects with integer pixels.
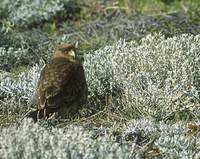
[{"x": 62, "y": 87}]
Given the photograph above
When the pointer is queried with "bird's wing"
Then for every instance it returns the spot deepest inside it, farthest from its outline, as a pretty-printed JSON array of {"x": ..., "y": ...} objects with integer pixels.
[{"x": 57, "y": 83}]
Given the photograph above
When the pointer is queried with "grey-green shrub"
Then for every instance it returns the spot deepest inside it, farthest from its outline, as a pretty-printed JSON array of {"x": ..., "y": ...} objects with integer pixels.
[
  {"x": 150, "y": 139},
  {"x": 17, "y": 93},
  {"x": 31, "y": 140},
  {"x": 171, "y": 140},
  {"x": 12, "y": 57},
  {"x": 26, "y": 12},
  {"x": 156, "y": 77}
]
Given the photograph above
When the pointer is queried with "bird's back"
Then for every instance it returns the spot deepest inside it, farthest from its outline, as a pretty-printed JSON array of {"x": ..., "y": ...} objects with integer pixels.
[{"x": 62, "y": 86}]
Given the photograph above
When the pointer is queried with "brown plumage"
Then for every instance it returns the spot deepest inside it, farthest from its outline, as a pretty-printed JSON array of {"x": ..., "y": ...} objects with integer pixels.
[{"x": 62, "y": 87}]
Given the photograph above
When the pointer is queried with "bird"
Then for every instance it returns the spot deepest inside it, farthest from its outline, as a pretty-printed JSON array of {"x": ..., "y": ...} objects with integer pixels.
[{"x": 62, "y": 87}]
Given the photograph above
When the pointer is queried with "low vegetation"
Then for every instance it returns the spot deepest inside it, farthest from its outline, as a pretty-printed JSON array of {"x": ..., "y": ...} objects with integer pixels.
[{"x": 142, "y": 66}]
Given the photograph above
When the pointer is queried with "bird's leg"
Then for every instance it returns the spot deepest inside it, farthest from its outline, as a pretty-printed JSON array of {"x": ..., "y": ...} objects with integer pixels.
[
  {"x": 38, "y": 114},
  {"x": 52, "y": 115},
  {"x": 45, "y": 117}
]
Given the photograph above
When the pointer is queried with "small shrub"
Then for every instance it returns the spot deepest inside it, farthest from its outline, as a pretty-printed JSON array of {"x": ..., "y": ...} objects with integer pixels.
[
  {"x": 23, "y": 13},
  {"x": 157, "y": 76}
]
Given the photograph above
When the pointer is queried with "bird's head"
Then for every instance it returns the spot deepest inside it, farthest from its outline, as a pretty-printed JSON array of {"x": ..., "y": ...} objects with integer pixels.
[{"x": 66, "y": 51}]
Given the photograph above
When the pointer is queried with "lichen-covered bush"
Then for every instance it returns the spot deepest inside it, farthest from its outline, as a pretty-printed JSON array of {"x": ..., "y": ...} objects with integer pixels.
[
  {"x": 16, "y": 94},
  {"x": 26, "y": 12},
  {"x": 157, "y": 76},
  {"x": 163, "y": 140},
  {"x": 31, "y": 140},
  {"x": 143, "y": 138},
  {"x": 12, "y": 57},
  {"x": 175, "y": 141}
]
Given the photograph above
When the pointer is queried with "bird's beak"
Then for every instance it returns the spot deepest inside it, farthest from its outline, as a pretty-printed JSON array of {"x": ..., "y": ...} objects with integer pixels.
[{"x": 72, "y": 53}]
